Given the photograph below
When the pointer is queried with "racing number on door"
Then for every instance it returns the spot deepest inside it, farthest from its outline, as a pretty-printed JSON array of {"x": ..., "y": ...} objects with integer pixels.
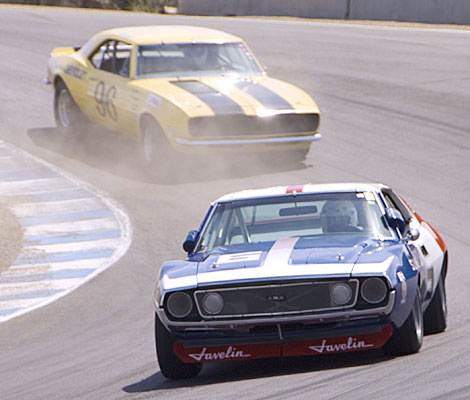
[{"x": 104, "y": 98}]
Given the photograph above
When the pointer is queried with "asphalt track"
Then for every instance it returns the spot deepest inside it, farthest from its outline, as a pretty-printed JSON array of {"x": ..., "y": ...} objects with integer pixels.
[{"x": 395, "y": 109}]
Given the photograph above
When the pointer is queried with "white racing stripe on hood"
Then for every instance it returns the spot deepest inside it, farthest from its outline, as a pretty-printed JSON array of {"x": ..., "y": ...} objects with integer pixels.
[
  {"x": 279, "y": 255},
  {"x": 276, "y": 265}
]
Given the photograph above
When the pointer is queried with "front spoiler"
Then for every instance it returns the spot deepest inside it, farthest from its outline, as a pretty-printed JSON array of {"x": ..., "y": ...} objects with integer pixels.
[
  {"x": 374, "y": 339},
  {"x": 243, "y": 142}
]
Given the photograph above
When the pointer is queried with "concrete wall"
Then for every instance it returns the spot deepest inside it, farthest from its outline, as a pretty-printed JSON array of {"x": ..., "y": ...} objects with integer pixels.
[
  {"x": 433, "y": 11},
  {"x": 327, "y": 8},
  {"x": 65, "y": 3}
]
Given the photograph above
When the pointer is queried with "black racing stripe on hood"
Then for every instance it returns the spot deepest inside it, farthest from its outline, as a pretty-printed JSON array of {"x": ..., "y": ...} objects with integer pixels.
[
  {"x": 269, "y": 99},
  {"x": 218, "y": 102}
]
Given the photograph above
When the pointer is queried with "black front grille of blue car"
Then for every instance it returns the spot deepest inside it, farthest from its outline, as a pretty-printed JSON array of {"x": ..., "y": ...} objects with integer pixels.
[
  {"x": 273, "y": 300},
  {"x": 225, "y": 126}
]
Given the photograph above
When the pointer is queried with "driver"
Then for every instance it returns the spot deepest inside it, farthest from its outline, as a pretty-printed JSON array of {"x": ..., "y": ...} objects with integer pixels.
[
  {"x": 339, "y": 216},
  {"x": 204, "y": 56},
  {"x": 198, "y": 54}
]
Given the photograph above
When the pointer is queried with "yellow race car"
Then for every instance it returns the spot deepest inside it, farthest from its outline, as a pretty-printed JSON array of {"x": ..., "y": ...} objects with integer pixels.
[{"x": 179, "y": 88}]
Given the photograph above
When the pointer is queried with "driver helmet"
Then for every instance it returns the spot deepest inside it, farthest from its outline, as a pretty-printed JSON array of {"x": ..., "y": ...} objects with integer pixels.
[
  {"x": 339, "y": 216},
  {"x": 198, "y": 54}
]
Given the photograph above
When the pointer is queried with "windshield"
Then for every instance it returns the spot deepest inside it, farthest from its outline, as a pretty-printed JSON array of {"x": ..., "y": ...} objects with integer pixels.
[
  {"x": 316, "y": 215},
  {"x": 195, "y": 59}
]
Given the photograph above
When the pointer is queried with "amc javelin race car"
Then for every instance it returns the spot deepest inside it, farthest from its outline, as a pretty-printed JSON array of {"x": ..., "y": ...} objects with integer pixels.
[
  {"x": 182, "y": 88},
  {"x": 302, "y": 270}
]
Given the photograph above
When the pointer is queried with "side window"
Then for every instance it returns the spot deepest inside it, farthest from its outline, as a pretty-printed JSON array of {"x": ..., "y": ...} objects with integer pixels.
[
  {"x": 113, "y": 56},
  {"x": 393, "y": 201},
  {"x": 97, "y": 57}
]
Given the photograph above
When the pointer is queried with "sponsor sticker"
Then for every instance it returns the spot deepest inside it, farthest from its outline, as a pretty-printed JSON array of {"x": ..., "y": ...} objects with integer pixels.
[
  {"x": 350, "y": 344},
  {"x": 239, "y": 257},
  {"x": 338, "y": 344},
  {"x": 154, "y": 101},
  {"x": 226, "y": 353},
  {"x": 75, "y": 72}
]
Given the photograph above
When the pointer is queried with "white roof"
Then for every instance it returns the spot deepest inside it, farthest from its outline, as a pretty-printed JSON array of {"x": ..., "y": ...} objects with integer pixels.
[{"x": 301, "y": 189}]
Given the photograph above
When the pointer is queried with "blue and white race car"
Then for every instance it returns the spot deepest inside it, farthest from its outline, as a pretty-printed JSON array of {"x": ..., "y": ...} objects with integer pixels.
[{"x": 301, "y": 270}]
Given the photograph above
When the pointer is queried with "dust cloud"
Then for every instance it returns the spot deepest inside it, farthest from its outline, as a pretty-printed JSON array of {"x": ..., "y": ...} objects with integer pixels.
[{"x": 123, "y": 156}]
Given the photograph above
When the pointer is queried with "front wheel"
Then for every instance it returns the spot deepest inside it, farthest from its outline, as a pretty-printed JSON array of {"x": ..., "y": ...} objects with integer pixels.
[
  {"x": 409, "y": 338},
  {"x": 156, "y": 152},
  {"x": 170, "y": 365},
  {"x": 435, "y": 316},
  {"x": 69, "y": 118}
]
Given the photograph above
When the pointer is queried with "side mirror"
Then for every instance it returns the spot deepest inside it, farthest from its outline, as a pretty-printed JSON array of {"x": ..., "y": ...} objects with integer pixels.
[
  {"x": 413, "y": 234},
  {"x": 395, "y": 219},
  {"x": 190, "y": 241}
]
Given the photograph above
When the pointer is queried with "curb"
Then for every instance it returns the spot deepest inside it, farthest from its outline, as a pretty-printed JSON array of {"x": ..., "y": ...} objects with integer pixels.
[{"x": 71, "y": 232}]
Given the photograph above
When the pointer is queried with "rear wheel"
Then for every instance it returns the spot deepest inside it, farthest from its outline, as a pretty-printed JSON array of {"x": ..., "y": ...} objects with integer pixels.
[
  {"x": 409, "y": 338},
  {"x": 435, "y": 316},
  {"x": 170, "y": 365},
  {"x": 69, "y": 119}
]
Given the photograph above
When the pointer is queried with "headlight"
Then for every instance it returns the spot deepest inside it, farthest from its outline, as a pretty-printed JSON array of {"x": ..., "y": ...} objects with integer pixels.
[
  {"x": 213, "y": 303},
  {"x": 374, "y": 290},
  {"x": 179, "y": 304},
  {"x": 341, "y": 294}
]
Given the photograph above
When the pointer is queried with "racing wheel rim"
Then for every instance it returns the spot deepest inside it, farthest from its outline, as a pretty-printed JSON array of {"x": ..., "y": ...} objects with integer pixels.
[
  {"x": 63, "y": 108},
  {"x": 148, "y": 145},
  {"x": 418, "y": 320}
]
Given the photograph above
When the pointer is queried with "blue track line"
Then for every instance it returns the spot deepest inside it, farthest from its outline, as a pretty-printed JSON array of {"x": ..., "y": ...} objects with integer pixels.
[
  {"x": 47, "y": 276},
  {"x": 64, "y": 256},
  {"x": 24, "y": 174},
  {"x": 73, "y": 237},
  {"x": 62, "y": 194},
  {"x": 70, "y": 216}
]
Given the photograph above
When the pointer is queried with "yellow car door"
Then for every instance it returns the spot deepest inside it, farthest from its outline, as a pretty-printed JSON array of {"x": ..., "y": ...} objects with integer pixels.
[{"x": 108, "y": 85}]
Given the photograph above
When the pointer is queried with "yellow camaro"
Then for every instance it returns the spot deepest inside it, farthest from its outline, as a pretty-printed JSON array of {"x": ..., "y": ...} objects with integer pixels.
[{"x": 180, "y": 88}]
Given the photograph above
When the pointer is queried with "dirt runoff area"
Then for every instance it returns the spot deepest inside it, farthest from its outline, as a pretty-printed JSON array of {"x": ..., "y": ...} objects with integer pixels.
[{"x": 11, "y": 237}]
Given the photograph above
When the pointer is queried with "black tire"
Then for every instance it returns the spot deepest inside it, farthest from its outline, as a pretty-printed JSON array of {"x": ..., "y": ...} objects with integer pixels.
[
  {"x": 435, "y": 316},
  {"x": 409, "y": 338},
  {"x": 69, "y": 119},
  {"x": 170, "y": 365}
]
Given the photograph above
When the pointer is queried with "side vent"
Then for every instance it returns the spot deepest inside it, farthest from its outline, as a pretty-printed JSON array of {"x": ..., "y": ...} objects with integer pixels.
[{"x": 424, "y": 251}]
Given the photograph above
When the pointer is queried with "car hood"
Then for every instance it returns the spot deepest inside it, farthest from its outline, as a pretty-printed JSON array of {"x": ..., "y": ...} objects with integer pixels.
[
  {"x": 208, "y": 96},
  {"x": 290, "y": 258}
]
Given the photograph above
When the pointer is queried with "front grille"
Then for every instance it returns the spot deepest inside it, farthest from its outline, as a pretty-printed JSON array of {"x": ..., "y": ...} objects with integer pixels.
[
  {"x": 273, "y": 300},
  {"x": 244, "y": 125}
]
